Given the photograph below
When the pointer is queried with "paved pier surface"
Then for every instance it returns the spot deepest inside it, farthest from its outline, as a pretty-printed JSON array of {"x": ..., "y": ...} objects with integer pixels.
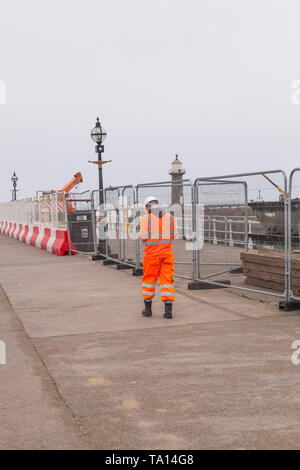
[{"x": 85, "y": 370}]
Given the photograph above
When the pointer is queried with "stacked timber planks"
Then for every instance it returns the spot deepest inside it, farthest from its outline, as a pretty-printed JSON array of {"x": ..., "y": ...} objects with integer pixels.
[{"x": 267, "y": 270}]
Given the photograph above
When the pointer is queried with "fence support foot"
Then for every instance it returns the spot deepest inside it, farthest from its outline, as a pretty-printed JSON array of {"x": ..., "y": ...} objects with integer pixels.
[
  {"x": 123, "y": 266},
  {"x": 238, "y": 270},
  {"x": 288, "y": 306},
  {"x": 137, "y": 271},
  {"x": 108, "y": 262},
  {"x": 98, "y": 256},
  {"x": 201, "y": 285}
]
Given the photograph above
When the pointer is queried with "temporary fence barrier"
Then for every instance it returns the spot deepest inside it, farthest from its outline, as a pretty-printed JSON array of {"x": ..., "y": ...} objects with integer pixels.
[
  {"x": 235, "y": 231},
  {"x": 237, "y": 198},
  {"x": 293, "y": 249}
]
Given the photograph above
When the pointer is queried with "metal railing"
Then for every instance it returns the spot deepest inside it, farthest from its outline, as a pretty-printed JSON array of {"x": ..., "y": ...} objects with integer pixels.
[{"x": 227, "y": 231}]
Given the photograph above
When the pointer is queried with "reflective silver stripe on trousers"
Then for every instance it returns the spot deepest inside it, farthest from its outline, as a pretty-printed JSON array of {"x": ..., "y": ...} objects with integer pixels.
[
  {"x": 169, "y": 294},
  {"x": 148, "y": 293},
  {"x": 149, "y": 285},
  {"x": 167, "y": 286},
  {"x": 159, "y": 242}
]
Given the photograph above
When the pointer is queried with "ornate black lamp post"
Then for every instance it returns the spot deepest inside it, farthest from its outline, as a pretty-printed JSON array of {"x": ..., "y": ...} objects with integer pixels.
[
  {"x": 98, "y": 135},
  {"x": 14, "y": 179}
]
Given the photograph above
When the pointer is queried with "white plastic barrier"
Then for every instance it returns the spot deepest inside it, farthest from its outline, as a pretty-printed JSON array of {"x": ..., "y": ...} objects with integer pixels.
[{"x": 39, "y": 221}]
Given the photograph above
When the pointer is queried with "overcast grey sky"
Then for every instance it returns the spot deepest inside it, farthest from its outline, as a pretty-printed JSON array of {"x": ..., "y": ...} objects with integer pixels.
[{"x": 207, "y": 79}]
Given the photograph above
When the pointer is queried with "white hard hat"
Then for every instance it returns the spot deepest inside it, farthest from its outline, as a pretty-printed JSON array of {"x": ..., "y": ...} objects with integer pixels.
[{"x": 150, "y": 199}]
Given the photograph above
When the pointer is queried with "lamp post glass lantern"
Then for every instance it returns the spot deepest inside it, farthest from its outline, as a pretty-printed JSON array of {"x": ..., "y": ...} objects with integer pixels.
[
  {"x": 98, "y": 134},
  {"x": 14, "y": 180}
]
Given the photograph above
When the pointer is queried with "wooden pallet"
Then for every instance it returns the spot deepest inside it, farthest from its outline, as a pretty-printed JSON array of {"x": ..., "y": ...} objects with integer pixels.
[{"x": 267, "y": 270}]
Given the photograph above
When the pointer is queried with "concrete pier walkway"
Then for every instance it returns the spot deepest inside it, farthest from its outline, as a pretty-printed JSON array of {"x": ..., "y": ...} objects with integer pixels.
[{"x": 85, "y": 370}]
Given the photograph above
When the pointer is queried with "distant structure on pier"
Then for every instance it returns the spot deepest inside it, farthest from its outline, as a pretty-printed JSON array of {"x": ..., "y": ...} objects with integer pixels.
[{"x": 177, "y": 173}]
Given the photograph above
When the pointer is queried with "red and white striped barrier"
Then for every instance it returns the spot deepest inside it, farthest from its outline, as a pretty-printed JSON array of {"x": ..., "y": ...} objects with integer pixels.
[{"x": 48, "y": 239}]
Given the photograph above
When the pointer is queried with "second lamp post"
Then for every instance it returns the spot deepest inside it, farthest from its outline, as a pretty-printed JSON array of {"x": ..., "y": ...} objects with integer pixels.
[{"x": 14, "y": 179}]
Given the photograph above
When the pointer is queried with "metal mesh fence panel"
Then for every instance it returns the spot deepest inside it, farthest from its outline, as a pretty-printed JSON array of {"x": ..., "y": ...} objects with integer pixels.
[
  {"x": 294, "y": 234},
  {"x": 177, "y": 200},
  {"x": 244, "y": 231},
  {"x": 114, "y": 227},
  {"x": 114, "y": 219},
  {"x": 128, "y": 224},
  {"x": 99, "y": 222}
]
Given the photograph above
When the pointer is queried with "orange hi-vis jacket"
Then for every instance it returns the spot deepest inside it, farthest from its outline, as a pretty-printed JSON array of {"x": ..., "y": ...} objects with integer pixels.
[{"x": 158, "y": 233}]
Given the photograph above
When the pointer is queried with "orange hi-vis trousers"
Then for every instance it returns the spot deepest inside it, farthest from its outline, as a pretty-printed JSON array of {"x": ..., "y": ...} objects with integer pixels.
[{"x": 162, "y": 269}]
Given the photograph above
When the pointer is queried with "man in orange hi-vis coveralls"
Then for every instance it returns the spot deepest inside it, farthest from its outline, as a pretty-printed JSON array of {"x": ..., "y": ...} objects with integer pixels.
[{"x": 157, "y": 230}]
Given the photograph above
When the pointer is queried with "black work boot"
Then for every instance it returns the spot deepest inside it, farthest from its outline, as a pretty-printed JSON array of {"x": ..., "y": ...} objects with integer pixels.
[
  {"x": 147, "y": 312},
  {"x": 168, "y": 310}
]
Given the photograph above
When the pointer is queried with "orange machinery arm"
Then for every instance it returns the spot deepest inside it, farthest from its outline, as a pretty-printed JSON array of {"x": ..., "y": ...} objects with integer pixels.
[
  {"x": 77, "y": 179},
  {"x": 67, "y": 188}
]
